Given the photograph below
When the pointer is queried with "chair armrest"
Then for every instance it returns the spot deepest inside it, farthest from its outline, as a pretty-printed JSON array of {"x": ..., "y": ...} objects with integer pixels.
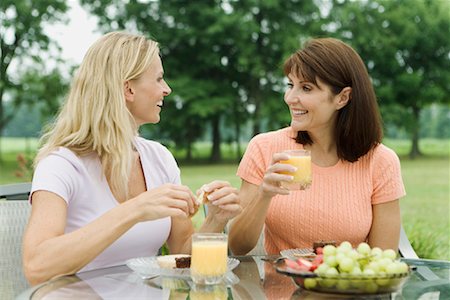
[
  {"x": 404, "y": 246},
  {"x": 17, "y": 191},
  {"x": 417, "y": 289}
]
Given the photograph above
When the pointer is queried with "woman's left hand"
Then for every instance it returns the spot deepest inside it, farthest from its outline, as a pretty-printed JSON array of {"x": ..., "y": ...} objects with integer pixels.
[{"x": 224, "y": 200}]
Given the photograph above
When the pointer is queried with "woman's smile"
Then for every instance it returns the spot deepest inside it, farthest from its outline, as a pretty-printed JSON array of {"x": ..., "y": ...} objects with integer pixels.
[{"x": 298, "y": 112}]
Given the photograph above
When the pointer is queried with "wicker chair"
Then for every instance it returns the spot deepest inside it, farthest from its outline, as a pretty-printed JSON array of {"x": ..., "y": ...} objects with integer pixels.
[{"x": 13, "y": 219}]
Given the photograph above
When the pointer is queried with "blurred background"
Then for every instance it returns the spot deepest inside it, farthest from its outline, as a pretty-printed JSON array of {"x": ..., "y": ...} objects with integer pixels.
[{"x": 223, "y": 59}]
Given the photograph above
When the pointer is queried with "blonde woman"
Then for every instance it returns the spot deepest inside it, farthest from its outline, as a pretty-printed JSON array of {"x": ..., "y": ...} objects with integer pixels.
[{"x": 101, "y": 194}]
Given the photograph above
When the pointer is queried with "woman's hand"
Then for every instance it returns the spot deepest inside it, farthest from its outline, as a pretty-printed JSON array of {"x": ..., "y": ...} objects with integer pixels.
[
  {"x": 271, "y": 184},
  {"x": 167, "y": 200},
  {"x": 224, "y": 201}
]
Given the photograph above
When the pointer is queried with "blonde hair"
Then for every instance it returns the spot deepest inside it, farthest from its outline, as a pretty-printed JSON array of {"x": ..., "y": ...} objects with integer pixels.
[{"x": 94, "y": 117}]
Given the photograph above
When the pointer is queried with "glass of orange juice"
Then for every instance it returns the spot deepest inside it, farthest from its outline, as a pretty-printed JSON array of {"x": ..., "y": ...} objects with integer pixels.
[
  {"x": 301, "y": 159},
  {"x": 209, "y": 257},
  {"x": 208, "y": 292}
]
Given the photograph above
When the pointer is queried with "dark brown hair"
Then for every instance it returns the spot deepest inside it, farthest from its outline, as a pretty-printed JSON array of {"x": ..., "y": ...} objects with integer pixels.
[{"x": 358, "y": 127}]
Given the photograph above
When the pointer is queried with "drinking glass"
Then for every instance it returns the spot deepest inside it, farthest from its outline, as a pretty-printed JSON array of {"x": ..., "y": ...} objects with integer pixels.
[
  {"x": 208, "y": 292},
  {"x": 301, "y": 159},
  {"x": 209, "y": 257}
]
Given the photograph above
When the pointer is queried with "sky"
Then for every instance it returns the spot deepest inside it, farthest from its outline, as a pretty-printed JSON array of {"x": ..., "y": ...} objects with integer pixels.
[{"x": 77, "y": 36}]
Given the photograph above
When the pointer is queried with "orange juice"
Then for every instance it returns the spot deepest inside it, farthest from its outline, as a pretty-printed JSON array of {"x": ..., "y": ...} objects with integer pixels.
[
  {"x": 301, "y": 159},
  {"x": 216, "y": 292},
  {"x": 209, "y": 257}
]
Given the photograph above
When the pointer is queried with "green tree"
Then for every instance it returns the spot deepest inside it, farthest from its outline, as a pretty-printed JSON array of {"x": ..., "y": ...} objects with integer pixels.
[
  {"x": 436, "y": 122},
  {"x": 267, "y": 31},
  {"x": 406, "y": 45},
  {"x": 41, "y": 90},
  {"x": 192, "y": 45},
  {"x": 222, "y": 58},
  {"x": 22, "y": 41}
]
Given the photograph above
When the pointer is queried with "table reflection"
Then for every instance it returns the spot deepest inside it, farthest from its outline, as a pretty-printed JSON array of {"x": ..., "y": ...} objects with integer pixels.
[{"x": 254, "y": 278}]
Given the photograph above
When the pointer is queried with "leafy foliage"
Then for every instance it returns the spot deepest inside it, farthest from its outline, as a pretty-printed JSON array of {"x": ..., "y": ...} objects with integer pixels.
[
  {"x": 23, "y": 41},
  {"x": 406, "y": 46},
  {"x": 222, "y": 59}
]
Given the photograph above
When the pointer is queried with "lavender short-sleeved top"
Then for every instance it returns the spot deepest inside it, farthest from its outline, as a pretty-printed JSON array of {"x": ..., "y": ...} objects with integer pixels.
[{"x": 81, "y": 183}]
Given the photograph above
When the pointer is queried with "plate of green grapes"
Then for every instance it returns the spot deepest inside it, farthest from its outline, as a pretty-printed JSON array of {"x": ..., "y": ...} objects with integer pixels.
[{"x": 343, "y": 269}]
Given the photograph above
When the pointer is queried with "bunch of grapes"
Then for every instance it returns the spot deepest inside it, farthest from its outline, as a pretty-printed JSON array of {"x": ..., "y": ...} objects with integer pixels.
[
  {"x": 362, "y": 260},
  {"x": 352, "y": 265}
]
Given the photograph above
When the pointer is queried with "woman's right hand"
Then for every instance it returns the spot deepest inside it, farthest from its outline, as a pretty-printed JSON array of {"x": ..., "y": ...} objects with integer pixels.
[
  {"x": 273, "y": 177},
  {"x": 168, "y": 200}
]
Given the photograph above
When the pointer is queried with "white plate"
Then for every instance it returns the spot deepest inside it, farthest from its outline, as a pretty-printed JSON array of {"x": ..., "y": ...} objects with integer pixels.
[
  {"x": 147, "y": 267},
  {"x": 294, "y": 254}
]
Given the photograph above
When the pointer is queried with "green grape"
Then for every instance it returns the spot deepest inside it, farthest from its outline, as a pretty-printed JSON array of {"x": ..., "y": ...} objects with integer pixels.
[
  {"x": 369, "y": 272},
  {"x": 376, "y": 252},
  {"x": 401, "y": 267},
  {"x": 329, "y": 250},
  {"x": 364, "y": 248},
  {"x": 310, "y": 283},
  {"x": 389, "y": 253},
  {"x": 382, "y": 281},
  {"x": 330, "y": 260},
  {"x": 370, "y": 287},
  {"x": 363, "y": 261},
  {"x": 332, "y": 272},
  {"x": 373, "y": 265},
  {"x": 357, "y": 283},
  {"x": 322, "y": 268},
  {"x": 344, "y": 247},
  {"x": 383, "y": 263},
  {"x": 327, "y": 283},
  {"x": 343, "y": 285},
  {"x": 392, "y": 268},
  {"x": 356, "y": 271},
  {"x": 340, "y": 256},
  {"x": 346, "y": 264},
  {"x": 354, "y": 254}
]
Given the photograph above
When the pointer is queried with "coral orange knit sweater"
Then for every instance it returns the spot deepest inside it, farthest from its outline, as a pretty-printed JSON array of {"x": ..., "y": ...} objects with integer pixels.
[{"x": 337, "y": 206}]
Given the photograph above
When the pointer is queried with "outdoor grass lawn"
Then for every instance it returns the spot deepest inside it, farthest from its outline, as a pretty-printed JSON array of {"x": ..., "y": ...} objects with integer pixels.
[{"x": 425, "y": 208}]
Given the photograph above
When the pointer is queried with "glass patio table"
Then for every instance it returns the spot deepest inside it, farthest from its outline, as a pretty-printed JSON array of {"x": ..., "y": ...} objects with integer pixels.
[{"x": 254, "y": 278}]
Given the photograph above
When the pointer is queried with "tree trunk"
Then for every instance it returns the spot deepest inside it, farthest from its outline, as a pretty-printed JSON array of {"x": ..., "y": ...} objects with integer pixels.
[
  {"x": 189, "y": 140},
  {"x": 415, "y": 151},
  {"x": 1, "y": 122},
  {"x": 256, "y": 95},
  {"x": 216, "y": 139},
  {"x": 237, "y": 130},
  {"x": 188, "y": 156},
  {"x": 237, "y": 135}
]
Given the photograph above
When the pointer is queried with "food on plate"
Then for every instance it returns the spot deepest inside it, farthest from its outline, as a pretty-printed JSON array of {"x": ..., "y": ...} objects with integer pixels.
[
  {"x": 344, "y": 269},
  {"x": 183, "y": 262},
  {"x": 169, "y": 261},
  {"x": 309, "y": 255},
  {"x": 304, "y": 264},
  {"x": 318, "y": 246},
  {"x": 362, "y": 260},
  {"x": 196, "y": 207},
  {"x": 203, "y": 197}
]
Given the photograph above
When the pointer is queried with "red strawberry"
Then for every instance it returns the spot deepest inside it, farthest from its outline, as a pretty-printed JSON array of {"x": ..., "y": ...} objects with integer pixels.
[
  {"x": 304, "y": 264},
  {"x": 291, "y": 264},
  {"x": 318, "y": 260}
]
